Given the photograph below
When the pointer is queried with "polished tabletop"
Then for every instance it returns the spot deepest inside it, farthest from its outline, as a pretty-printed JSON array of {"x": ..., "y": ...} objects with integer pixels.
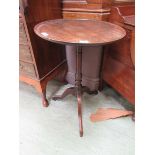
[{"x": 79, "y": 32}]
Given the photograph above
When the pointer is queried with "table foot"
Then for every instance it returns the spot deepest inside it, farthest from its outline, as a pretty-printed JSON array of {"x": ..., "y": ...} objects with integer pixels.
[
  {"x": 44, "y": 100},
  {"x": 72, "y": 91},
  {"x": 80, "y": 114},
  {"x": 88, "y": 91},
  {"x": 68, "y": 91},
  {"x": 45, "y": 103}
]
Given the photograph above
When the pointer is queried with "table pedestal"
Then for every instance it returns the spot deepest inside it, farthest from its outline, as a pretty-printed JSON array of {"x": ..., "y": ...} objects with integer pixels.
[
  {"x": 90, "y": 77},
  {"x": 78, "y": 86},
  {"x": 88, "y": 33},
  {"x": 78, "y": 90}
]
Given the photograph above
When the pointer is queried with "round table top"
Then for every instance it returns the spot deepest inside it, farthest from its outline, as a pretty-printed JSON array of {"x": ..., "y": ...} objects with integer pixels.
[{"x": 79, "y": 32}]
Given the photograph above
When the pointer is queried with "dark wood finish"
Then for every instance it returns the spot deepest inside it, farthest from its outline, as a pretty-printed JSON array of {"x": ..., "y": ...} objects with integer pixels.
[
  {"x": 40, "y": 61},
  {"x": 72, "y": 90},
  {"x": 78, "y": 86},
  {"x": 79, "y": 33},
  {"x": 118, "y": 70}
]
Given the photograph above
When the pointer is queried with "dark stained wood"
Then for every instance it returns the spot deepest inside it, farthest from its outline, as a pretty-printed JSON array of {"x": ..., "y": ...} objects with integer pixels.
[
  {"x": 72, "y": 90},
  {"x": 118, "y": 70},
  {"x": 79, "y": 33},
  {"x": 40, "y": 61},
  {"x": 78, "y": 86},
  {"x": 44, "y": 100}
]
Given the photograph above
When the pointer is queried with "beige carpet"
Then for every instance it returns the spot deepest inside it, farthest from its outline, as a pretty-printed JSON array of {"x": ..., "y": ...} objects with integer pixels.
[{"x": 54, "y": 130}]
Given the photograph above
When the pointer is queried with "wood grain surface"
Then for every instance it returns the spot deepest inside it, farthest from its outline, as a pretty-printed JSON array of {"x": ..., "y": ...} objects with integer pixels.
[{"x": 81, "y": 32}]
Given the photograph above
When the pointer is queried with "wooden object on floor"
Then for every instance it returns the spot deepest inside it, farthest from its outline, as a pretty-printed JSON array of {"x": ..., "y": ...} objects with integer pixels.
[
  {"x": 118, "y": 66},
  {"x": 86, "y": 9},
  {"x": 79, "y": 33},
  {"x": 103, "y": 114},
  {"x": 72, "y": 90},
  {"x": 40, "y": 61}
]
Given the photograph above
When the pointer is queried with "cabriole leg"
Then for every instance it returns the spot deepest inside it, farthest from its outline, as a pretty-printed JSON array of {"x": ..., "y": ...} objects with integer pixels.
[{"x": 44, "y": 100}]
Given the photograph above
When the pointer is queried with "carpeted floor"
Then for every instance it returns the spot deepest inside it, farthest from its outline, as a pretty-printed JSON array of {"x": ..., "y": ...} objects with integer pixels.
[{"x": 54, "y": 130}]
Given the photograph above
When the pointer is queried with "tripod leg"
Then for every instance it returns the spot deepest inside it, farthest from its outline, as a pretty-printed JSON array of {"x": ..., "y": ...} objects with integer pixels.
[{"x": 78, "y": 80}]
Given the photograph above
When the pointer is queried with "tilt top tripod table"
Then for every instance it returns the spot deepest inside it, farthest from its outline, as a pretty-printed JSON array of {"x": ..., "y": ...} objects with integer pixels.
[{"x": 79, "y": 33}]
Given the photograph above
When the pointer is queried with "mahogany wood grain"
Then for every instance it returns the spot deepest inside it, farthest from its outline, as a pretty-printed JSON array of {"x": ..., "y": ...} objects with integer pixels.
[{"x": 79, "y": 33}]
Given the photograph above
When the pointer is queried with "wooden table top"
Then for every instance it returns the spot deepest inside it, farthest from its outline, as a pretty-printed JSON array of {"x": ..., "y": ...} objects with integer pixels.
[{"x": 79, "y": 32}]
